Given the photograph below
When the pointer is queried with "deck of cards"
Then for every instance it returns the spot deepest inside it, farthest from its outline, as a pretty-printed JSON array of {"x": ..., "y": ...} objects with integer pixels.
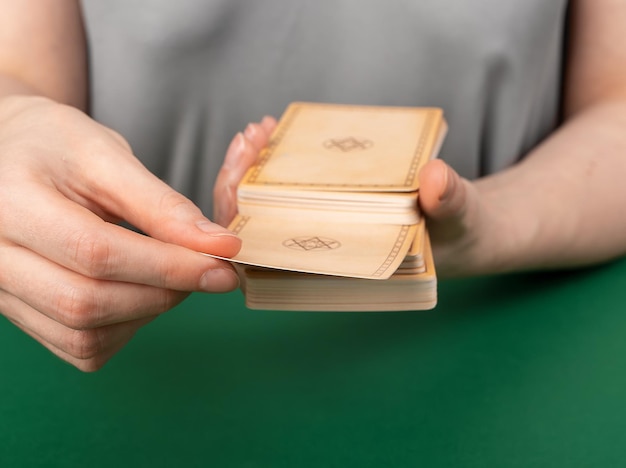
[{"x": 329, "y": 217}]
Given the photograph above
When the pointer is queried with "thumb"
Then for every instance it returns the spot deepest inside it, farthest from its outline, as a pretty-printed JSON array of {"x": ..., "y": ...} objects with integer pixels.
[{"x": 443, "y": 194}]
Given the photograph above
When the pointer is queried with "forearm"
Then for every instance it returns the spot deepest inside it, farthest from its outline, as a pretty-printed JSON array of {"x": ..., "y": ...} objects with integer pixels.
[
  {"x": 43, "y": 50},
  {"x": 565, "y": 204}
]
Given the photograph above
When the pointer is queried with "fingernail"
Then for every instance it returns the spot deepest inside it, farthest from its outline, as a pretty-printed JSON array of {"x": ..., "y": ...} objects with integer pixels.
[
  {"x": 235, "y": 151},
  {"x": 219, "y": 280}
]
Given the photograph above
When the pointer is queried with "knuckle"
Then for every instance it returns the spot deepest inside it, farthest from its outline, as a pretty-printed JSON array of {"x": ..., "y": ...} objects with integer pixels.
[
  {"x": 118, "y": 138},
  {"x": 167, "y": 274},
  {"x": 175, "y": 204},
  {"x": 91, "y": 254},
  {"x": 76, "y": 307},
  {"x": 83, "y": 344}
]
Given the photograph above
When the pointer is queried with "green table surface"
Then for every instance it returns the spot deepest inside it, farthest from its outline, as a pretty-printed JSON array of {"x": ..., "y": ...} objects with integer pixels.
[{"x": 516, "y": 371}]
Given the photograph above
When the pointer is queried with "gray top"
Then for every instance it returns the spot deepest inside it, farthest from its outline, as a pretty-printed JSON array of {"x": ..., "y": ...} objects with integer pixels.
[{"x": 179, "y": 78}]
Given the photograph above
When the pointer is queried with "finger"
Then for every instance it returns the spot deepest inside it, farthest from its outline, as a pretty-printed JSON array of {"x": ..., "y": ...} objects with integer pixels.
[
  {"x": 96, "y": 345},
  {"x": 89, "y": 365},
  {"x": 241, "y": 154},
  {"x": 245, "y": 147},
  {"x": 443, "y": 195},
  {"x": 116, "y": 181},
  {"x": 72, "y": 236},
  {"x": 258, "y": 133},
  {"x": 79, "y": 348},
  {"x": 269, "y": 124},
  {"x": 76, "y": 301}
]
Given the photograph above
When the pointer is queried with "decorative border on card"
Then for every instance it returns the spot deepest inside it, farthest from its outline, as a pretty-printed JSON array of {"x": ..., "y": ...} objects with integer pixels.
[
  {"x": 267, "y": 152},
  {"x": 419, "y": 150},
  {"x": 404, "y": 231},
  {"x": 243, "y": 220}
]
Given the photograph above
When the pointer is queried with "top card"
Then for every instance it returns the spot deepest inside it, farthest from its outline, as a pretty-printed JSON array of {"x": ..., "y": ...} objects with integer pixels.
[
  {"x": 333, "y": 147},
  {"x": 372, "y": 251}
]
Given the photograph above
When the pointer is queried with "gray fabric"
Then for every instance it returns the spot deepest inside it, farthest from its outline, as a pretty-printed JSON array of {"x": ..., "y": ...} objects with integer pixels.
[{"x": 179, "y": 78}]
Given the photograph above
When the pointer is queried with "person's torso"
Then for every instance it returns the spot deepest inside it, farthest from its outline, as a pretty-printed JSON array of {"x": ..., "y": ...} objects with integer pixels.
[{"x": 179, "y": 79}]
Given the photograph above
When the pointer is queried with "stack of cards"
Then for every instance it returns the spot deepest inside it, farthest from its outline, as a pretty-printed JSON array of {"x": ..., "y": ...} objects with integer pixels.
[
  {"x": 412, "y": 286},
  {"x": 328, "y": 216}
]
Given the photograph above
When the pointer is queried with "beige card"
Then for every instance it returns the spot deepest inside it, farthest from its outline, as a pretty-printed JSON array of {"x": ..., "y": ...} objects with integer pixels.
[
  {"x": 349, "y": 148},
  {"x": 336, "y": 249}
]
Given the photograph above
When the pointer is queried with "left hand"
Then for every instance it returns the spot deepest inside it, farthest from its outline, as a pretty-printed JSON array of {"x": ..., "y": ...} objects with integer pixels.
[{"x": 463, "y": 222}]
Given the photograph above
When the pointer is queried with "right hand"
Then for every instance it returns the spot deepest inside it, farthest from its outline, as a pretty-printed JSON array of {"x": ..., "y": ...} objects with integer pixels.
[
  {"x": 242, "y": 153},
  {"x": 69, "y": 276}
]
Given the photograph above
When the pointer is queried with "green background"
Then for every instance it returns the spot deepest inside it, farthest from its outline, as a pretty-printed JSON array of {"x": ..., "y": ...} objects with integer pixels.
[{"x": 516, "y": 371}]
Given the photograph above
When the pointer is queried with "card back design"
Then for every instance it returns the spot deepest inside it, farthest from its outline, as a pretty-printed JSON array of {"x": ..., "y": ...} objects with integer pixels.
[{"x": 337, "y": 147}]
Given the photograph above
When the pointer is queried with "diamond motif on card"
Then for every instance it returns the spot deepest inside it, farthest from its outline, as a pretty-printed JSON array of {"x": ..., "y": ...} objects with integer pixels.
[
  {"x": 311, "y": 243},
  {"x": 348, "y": 144}
]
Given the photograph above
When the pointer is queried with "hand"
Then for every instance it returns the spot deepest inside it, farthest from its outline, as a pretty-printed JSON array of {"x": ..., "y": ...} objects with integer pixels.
[
  {"x": 241, "y": 154},
  {"x": 79, "y": 284},
  {"x": 469, "y": 223},
  {"x": 451, "y": 206}
]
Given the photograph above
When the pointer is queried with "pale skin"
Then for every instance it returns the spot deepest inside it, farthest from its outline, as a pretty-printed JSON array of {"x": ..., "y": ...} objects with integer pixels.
[{"x": 82, "y": 286}]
